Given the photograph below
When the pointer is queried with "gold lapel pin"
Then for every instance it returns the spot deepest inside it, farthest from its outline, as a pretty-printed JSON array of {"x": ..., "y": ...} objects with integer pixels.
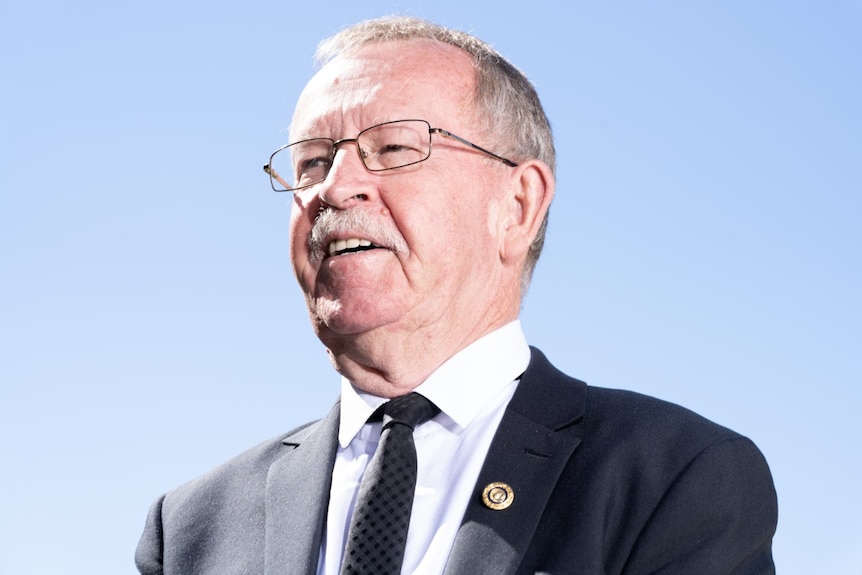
[{"x": 497, "y": 496}]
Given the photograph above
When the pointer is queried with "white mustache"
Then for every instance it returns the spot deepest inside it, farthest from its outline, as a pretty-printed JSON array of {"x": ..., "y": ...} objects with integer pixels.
[{"x": 355, "y": 223}]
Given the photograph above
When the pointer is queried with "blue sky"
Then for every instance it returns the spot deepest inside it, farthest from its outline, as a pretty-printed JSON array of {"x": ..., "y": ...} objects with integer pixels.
[{"x": 704, "y": 243}]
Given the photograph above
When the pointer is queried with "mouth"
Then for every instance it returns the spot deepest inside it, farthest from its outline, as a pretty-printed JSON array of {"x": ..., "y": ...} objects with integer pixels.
[
  {"x": 346, "y": 232},
  {"x": 350, "y": 246}
]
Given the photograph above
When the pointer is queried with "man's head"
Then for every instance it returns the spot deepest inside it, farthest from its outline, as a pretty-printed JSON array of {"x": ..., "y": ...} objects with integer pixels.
[
  {"x": 507, "y": 106},
  {"x": 403, "y": 267}
]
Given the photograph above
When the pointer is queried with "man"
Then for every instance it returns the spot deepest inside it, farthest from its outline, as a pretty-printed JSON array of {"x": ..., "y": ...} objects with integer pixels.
[{"x": 421, "y": 168}]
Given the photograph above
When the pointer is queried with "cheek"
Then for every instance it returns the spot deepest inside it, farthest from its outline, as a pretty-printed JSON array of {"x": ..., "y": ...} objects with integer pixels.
[
  {"x": 300, "y": 227},
  {"x": 297, "y": 224},
  {"x": 296, "y": 232},
  {"x": 495, "y": 223},
  {"x": 450, "y": 242},
  {"x": 471, "y": 226}
]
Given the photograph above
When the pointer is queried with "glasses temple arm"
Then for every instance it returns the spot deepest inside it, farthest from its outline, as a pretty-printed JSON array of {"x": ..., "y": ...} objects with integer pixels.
[
  {"x": 449, "y": 134},
  {"x": 273, "y": 174}
]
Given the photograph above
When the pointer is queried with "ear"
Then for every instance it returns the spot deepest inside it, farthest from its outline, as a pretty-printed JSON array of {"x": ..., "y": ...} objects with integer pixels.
[{"x": 531, "y": 189}]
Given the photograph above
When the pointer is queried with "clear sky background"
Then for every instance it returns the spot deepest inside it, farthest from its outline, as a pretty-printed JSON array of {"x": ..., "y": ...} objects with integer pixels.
[{"x": 704, "y": 243}]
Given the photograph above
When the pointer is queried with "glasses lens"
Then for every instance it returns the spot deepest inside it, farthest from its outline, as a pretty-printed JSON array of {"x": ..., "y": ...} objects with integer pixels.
[
  {"x": 301, "y": 164},
  {"x": 382, "y": 147},
  {"x": 395, "y": 144}
]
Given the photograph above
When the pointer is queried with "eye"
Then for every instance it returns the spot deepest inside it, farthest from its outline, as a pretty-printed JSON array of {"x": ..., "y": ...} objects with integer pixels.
[
  {"x": 395, "y": 155},
  {"x": 311, "y": 170},
  {"x": 394, "y": 149},
  {"x": 311, "y": 164}
]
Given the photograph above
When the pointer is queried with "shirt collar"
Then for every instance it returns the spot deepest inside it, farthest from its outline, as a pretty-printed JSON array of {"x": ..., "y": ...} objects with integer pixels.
[{"x": 459, "y": 387}]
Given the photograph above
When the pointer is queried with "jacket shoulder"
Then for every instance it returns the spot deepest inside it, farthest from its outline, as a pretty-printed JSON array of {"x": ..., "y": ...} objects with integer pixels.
[
  {"x": 616, "y": 415},
  {"x": 651, "y": 487},
  {"x": 193, "y": 528},
  {"x": 240, "y": 474}
]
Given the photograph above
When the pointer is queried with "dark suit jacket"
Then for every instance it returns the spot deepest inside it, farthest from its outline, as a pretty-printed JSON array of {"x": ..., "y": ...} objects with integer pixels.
[{"x": 605, "y": 482}]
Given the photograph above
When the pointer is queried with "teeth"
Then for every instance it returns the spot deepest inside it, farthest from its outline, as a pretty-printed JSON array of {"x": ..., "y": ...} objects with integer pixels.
[{"x": 336, "y": 246}]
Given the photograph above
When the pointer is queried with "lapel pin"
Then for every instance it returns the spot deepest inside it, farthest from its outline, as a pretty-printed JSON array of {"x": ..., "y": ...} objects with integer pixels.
[{"x": 497, "y": 496}]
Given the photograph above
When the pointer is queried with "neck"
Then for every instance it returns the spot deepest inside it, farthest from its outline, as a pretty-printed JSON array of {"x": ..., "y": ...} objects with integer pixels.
[{"x": 390, "y": 364}]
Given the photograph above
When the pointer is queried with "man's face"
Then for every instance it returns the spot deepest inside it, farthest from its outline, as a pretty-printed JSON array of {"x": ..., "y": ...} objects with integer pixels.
[{"x": 437, "y": 222}]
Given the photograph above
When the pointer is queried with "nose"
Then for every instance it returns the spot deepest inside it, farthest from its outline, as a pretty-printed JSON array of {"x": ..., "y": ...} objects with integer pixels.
[{"x": 348, "y": 182}]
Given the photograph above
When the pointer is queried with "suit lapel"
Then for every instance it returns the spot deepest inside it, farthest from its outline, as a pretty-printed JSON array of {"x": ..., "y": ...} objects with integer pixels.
[
  {"x": 297, "y": 496},
  {"x": 533, "y": 443}
]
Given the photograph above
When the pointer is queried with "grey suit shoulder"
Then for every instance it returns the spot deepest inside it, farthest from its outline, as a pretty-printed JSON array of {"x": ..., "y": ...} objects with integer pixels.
[{"x": 216, "y": 523}]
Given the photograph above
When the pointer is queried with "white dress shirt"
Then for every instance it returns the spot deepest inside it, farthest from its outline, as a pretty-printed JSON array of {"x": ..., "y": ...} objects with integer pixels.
[{"x": 472, "y": 390}]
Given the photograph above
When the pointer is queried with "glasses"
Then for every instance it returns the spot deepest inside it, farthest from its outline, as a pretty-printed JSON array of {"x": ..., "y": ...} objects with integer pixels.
[{"x": 383, "y": 147}]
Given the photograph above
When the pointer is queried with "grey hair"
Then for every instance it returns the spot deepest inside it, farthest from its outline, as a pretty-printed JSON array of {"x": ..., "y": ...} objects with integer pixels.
[{"x": 506, "y": 103}]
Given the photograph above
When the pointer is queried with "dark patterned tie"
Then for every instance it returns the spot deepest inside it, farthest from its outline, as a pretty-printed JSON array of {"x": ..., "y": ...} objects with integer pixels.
[{"x": 378, "y": 530}]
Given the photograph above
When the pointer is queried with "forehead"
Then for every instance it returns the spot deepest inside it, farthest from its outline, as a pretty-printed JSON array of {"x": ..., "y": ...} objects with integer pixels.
[{"x": 383, "y": 82}]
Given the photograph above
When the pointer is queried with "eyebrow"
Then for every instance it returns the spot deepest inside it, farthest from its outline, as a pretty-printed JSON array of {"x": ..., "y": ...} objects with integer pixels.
[{"x": 317, "y": 129}]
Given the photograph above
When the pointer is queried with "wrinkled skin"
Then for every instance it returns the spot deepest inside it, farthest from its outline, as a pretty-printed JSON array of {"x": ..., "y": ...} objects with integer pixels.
[{"x": 387, "y": 316}]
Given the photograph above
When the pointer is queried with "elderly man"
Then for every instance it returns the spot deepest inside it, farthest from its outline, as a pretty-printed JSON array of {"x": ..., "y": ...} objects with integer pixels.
[{"x": 421, "y": 167}]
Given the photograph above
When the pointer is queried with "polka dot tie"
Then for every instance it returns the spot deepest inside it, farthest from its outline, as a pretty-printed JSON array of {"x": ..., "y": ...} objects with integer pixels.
[{"x": 378, "y": 530}]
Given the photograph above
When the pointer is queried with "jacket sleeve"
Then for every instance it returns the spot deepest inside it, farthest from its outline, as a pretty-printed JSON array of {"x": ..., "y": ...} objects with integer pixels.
[
  {"x": 148, "y": 556},
  {"x": 718, "y": 516}
]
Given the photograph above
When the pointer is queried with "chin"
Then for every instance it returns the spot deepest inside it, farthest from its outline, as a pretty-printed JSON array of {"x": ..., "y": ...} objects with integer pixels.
[{"x": 333, "y": 319}]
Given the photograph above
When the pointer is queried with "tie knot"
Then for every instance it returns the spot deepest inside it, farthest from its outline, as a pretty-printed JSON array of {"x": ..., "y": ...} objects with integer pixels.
[{"x": 411, "y": 410}]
